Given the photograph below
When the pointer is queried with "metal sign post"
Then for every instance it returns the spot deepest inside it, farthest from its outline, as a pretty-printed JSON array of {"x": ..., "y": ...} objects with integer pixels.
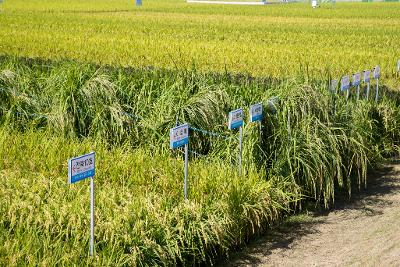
[
  {"x": 186, "y": 172},
  {"x": 356, "y": 82},
  {"x": 80, "y": 168},
  {"x": 179, "y": 136},
  {"x": 367, "y": 80},
  {"x": 240, "y": 150},
  {"x": 236, "y": 121},
  {"x": 377, "y": 75},
  {"x": 333, "y": 86},
  {"x": 345, "y": 85}
]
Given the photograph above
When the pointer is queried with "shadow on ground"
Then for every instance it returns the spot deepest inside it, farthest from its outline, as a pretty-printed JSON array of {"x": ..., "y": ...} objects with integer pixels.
[{"x": 364, "y": 201}]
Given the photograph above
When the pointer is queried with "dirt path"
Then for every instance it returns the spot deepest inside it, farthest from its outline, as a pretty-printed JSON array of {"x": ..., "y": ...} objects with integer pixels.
[{"x": 363, "y": 232}]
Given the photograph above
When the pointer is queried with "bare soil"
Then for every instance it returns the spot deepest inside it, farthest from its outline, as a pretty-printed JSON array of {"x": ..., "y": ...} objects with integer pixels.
[{"x": 364, "y": 231}]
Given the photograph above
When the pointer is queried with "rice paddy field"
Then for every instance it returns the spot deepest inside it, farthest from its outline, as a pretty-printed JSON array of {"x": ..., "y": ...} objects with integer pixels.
[
  {"x": 271, "y": 40},
  {"x": 109, "y": 77}
]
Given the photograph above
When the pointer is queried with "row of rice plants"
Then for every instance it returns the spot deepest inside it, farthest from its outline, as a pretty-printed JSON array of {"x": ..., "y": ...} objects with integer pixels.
[
  {"x": 116, "y": 105},
  {"x": 305, "y": 149},
  {"x": 141, "y": 217}
]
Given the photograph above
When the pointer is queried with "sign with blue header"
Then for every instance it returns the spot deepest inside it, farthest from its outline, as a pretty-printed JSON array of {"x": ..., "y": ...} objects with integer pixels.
[
  {"x": 356, "y": 79},
  {"x": 377, "y": 72},
  {"x": 138, "y": 2},
  {"x": 235, "y": 119},
  {"x": 367, "y": 76},
  {"x": 179, "y": 136},
  {"x": 80, "y": 168},
  {"x": 345, "y": 83},
  {"x": 256, "y": 112}
]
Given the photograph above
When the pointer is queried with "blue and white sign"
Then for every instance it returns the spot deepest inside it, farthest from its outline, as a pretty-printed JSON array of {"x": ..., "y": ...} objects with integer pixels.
[
  {"x": 367, "y": 76},
  {"x": 256, "y": 112},
  {"x": 356, "y": 79},
  {"x": 377, "y": 72},
  {"x": 345, "y": 83},
  {"x": 138, "y": 2},
  {"x": 334, "y": 84},
  {"x": 179, "y": 136},
  {"x": 80, "y": 168},
  {"x": 235, "y": 119}
]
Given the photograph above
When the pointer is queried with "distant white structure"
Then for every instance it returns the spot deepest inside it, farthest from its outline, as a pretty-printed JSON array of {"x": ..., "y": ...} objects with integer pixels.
[
  {"x": 255, "y": 3},
  {"x": 226, "y": 2},
  {"x": 314, "y": 3}
]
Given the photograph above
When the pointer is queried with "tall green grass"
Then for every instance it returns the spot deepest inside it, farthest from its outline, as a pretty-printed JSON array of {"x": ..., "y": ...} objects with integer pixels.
[{"x": 311, "y": 144}]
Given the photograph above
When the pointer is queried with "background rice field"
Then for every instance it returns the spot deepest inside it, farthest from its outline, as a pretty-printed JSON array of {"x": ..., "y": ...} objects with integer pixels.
[
  {"x": 273, "y": 40},
  {"x": 106, "y": 76}
]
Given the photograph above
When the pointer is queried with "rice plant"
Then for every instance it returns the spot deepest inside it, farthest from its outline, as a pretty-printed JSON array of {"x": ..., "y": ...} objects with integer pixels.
[{"x": 310, "y": 144}]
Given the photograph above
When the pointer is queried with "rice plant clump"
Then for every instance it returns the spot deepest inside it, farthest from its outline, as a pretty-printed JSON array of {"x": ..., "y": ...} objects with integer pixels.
[{"x": 311, "y": 144}]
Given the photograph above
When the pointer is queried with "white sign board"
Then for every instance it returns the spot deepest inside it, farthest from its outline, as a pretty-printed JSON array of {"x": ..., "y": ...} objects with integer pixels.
[
  {"x": 235, "y": 119},
  {"x": 179, "y": 136},
  {"x": 345, "y": 83},
  {"x": 256, "y": 112},
  {"x": 367, "y": 76},
  {"x": 80, "y": 168},
  {"x": 377, "y": 72},
  {"x": 356, "y": 79},
  {"x": 314, "y": 3}
]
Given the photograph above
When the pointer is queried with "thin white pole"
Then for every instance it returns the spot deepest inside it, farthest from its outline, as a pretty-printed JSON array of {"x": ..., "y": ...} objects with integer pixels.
[
  {"x": 348, "y": 94},
  {"x": 288, "y": 125},
  {"x": 377, "y": 90},
  {"x": 91, "y": 216},
  {"x": 368, "y": 88},
  {"x": 240, "y": 149},
  {"x": 185, "y": 186},
  {"x": 358, "y": 92}
]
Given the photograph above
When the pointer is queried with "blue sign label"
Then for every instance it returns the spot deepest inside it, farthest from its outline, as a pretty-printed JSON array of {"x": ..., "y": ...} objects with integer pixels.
[
  {"x": 138, "y": 2},
  {"x": 179, "y": 136},
  {"x": 81, "y": 168},
  {"x": 180, "y": 143},
  {"x": 236, "y": 125},
  {"x": 82, "y": 176}
]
